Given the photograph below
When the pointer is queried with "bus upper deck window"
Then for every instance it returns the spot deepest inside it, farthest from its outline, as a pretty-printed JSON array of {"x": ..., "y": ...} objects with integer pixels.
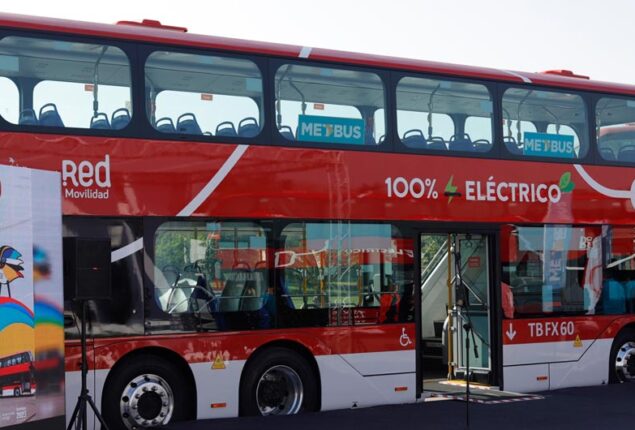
[
  {"x": 444, "y": 115},
  {"x": 204, "y": 95},
  {"x": 80, "y": 85},
  {"x": 615, "y": 129},
  {"x": 327, "y": 105},
  {"x": 547, "y": 124}
]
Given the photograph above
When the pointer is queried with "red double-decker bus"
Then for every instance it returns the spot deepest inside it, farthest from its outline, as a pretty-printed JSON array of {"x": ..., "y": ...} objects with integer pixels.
[
  {"x": 17, "y": 375},
  {"x": 299, "y": 229}
]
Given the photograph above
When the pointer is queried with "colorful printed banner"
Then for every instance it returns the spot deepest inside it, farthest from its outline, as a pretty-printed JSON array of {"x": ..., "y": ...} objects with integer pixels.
[{"x": 31, "y": 296}]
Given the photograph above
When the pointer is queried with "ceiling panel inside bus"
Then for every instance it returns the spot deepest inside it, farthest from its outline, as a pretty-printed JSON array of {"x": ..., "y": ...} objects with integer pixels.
[{"x": 42, "y": 59}]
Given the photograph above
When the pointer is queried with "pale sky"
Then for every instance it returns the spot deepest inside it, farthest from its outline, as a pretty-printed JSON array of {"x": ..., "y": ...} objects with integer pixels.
[{"x": 590, "y": 37}]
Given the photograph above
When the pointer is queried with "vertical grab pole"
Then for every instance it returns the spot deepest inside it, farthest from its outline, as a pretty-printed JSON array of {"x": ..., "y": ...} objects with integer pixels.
[{"x": 450, "y": 305}]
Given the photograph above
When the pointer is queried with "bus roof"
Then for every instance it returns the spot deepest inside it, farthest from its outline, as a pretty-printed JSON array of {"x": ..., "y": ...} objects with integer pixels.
[{"x": 152, "y": 31}]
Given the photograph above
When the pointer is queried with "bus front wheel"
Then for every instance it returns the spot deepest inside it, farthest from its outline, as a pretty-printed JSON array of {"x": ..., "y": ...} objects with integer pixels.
[
  {"x": 622, "y": 359},
  {"x": 278, "y": 381},
  {"x": 145, "y": 392}
]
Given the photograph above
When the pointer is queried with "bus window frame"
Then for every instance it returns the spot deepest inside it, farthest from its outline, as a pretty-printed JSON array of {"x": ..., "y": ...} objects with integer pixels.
[
  {"x": 589, "y": 156},
  {"x": 277, "y": 139},
  {"x": 161, "y": 321},
  {"x": 492, "y": 88},
  {"x": 260, "y": 61},
  {"x": 555, "y": 314},
  {"x": 128, "y": 47},
  {"x": 598, "y": 157},
  {"x": 140, "y": 127}
]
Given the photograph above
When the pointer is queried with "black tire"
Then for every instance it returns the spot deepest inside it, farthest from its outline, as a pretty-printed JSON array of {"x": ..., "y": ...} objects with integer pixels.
[
  {"x": 622, "y": 339},
  {"x": 117, "y": 386},
  {"x": 265, "y": 361},
  {"x": 16, "y": 392}
]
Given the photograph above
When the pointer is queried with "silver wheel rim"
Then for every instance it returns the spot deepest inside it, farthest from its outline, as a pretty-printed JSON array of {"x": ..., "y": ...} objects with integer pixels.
[
  {"x": 625, "y": 362},
  {"x": 279, "y": 391},
  {"x": 146, "y": 401}
]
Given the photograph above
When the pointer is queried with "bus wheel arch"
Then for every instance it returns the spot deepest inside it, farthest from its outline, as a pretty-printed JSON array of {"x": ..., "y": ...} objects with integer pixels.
[
  {"x": 162, "y": 371},
  {"x": 289, "y": 359},
  {"x": 622, "y": 357}
]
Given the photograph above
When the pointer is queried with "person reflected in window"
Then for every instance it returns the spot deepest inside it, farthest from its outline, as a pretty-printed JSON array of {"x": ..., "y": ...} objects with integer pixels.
[{"x": 389, "y": 302}]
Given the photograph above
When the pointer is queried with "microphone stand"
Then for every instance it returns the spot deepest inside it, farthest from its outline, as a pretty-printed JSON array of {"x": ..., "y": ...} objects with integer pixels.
[{"x": 80, "y": 417}]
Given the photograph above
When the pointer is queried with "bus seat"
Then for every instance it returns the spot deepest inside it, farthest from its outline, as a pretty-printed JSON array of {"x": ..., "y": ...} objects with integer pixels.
[
  {"x": 461, "y": 143},
  {"x": 49, "y": 116},
  {"x": 286, "y": 132},
  {"x": 165, "y": 125},
  {"x": 512, "y": 145},
  {"x": 482, "y": 145},
  {"x": 231, "y": 296},
  {"x": 613, "y": 298},
  {"x": 251, "y": 297},
  {"x": 28, "y": 117},
  {"x": 607, "y": 153},
  {"x": 100, "y": 122},
  {"x": 227, "y": 129},
  {"x": 120, "y": 119},
  {"x": 437, "y": 143},
  {"x": 627, "y": 153},
  {"x": 187, "y": 124},
  {"x": 248, "y": 127},
  {"x": 414, "y": 139}
]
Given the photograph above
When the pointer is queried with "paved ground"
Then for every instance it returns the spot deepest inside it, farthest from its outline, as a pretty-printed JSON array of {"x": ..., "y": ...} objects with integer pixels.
[{"x": 605, "y": 407}]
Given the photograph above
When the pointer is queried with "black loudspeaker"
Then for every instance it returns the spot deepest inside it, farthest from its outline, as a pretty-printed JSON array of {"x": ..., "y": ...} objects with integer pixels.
[{"x": 86, "y": 269}]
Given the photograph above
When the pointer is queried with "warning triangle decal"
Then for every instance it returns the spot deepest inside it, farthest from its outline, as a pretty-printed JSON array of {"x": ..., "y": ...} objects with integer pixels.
[{"x": 577, "y": 343}]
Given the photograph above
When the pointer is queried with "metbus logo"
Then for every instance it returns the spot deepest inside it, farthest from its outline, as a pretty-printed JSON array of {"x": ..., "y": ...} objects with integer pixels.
[{"x": 85, "y": 180}]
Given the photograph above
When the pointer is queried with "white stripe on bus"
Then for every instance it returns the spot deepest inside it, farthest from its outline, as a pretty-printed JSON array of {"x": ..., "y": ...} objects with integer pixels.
[
  {"x": 197, "y": 201},
  {"x": 214, "y": 182},
  {"x": 127, "y": 250},
  {"x": 305, "y": 52},
  {"x": 518, "y": 75},
  {"x": 618, "y": 194}
]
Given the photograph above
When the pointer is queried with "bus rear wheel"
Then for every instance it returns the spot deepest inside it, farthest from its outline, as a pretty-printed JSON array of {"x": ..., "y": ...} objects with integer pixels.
[
  {"x": 622, "y": 360},
  {"x": 278, "y": 381},
  {"x": 145, "y": 392}
]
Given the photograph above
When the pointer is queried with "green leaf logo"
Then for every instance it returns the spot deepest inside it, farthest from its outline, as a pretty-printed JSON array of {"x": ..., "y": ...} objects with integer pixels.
[{"x": 566, "y": 184}]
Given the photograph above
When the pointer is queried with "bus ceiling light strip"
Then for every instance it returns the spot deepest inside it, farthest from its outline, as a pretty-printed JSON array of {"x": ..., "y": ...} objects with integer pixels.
[{"x": 189, "y": 209}]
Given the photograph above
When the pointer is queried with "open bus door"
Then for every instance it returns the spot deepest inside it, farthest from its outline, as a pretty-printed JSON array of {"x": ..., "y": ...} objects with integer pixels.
[{"x": 456, "y": 279}]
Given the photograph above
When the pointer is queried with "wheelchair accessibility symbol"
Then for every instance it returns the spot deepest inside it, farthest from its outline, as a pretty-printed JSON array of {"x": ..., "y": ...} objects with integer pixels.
[{"x": 404, "y": 339}]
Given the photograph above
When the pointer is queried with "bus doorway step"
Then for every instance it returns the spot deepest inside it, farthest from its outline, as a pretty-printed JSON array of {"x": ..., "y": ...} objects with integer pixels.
[{"x": 442, "y": 389}]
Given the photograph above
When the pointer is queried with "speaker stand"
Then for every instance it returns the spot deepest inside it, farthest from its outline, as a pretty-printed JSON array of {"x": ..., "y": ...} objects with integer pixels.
[{"x": 80, "y": 416}]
